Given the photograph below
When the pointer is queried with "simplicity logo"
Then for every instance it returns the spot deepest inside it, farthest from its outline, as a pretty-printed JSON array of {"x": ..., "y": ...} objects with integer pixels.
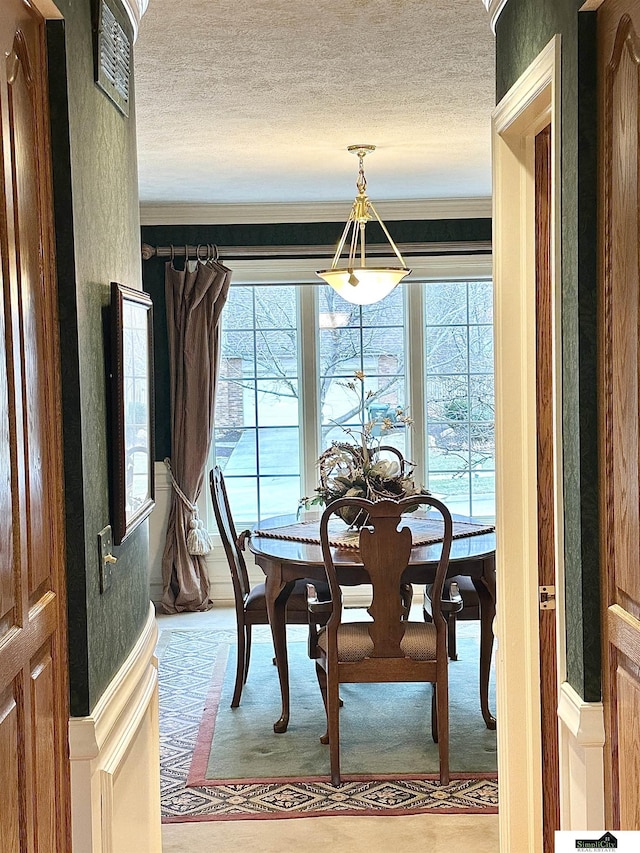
[{"x": 607, "y": 842}]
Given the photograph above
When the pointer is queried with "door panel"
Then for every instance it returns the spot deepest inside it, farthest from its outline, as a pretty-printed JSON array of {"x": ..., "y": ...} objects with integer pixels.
[
  {"x": 628, "y": 692},
  {"x": 9, "y": 806},
  {"x": 34, "y": 812},
  {"x": 619, "y": 330}
]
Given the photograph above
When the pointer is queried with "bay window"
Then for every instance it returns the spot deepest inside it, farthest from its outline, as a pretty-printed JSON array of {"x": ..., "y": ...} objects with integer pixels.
[{"x": 288, "y": 352}]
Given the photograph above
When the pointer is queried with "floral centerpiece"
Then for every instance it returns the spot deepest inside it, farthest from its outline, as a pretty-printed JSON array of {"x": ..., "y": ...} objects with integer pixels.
[{"x": 355, "y": 469}]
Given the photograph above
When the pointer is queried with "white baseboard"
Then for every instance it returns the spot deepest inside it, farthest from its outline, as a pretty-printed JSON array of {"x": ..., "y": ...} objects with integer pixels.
[
  {"x": 581, "y": 748},
  {"x": 114, "y": 758}
]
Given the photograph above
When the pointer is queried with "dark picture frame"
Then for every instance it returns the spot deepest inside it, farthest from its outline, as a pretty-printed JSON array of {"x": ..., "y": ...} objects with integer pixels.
[{"x": 133, "y": 495}]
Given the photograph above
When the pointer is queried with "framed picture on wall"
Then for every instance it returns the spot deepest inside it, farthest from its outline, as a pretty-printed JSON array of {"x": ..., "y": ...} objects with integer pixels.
[{"x": 132, "y": 401}]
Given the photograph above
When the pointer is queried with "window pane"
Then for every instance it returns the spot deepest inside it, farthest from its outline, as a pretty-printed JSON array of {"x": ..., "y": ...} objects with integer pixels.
[
  {"x": 226, "y": 442},
  {"x": 277, "y": 353},
  {"x": 483, "y": 444},
  {"x": 238, "y": 357},
  {"x": 235, "y": 404},
  {"x": 279, "y": 450},
  {"x": 238, "y": 451},
  {"x": 335, "y": 312},
  {"x": 483, "y": 490},
  {"x": 481, "y": 302},
  {"x": 448, "y": 447},
  {"x": 383, "y": 350},
  {"x": 453, "y": 490},
  {"x": 340, "y": 352},
  {"x": 277, "y": 402},
  {"x": 279, "y": 496},
  {"x": 446, "y": 349},
  {"x": 243, "y": 498},
  {"x": 446, "y": 302},
  {"x": 481, "y": 393},
  {"x": 389, "y": 312},
  {"x": 275, "y": 307},
  {"x": 238, "y": 309},
  {"x": 447, "y": 397},
  {"x": 481, "y": 349}
]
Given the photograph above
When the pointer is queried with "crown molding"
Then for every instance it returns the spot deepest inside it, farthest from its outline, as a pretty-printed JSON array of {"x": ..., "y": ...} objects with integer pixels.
[
  {"x": 135, "y": 9},
  {"x": 494, "y": 7},
  {"x": 244, "y": 214}
]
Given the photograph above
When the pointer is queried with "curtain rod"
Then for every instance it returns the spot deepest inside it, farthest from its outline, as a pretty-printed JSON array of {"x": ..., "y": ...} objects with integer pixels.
[{"x": 258, "y": 253}]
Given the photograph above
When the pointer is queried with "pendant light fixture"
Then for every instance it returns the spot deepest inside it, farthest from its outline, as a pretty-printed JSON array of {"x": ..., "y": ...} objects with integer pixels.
[{"x": 356, "y": 282}]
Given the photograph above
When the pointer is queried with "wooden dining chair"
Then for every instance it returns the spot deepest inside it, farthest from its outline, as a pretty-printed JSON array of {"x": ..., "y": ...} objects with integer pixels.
[
  {"x": 388, "y": 648},
  {"x": 460, "y": 590},
  {"x": 406, "y": 468},
  {"x": 250, "y": 602}
]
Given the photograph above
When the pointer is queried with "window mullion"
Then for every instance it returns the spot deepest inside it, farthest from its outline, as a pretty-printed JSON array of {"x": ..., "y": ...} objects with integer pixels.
[
  {"x": 415, "y": 368},
  {"x": 309, "y": 403}
]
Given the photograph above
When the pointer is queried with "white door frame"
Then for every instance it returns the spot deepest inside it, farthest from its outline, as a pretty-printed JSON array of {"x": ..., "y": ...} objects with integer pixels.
[{"x": 531, "y": 104}]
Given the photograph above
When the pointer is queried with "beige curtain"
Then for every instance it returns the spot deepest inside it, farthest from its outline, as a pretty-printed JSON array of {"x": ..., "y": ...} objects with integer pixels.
[{"x": 194, "y": 302}]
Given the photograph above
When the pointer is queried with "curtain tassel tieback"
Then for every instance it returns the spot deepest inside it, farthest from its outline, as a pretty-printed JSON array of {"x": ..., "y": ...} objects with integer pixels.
[{"x": 198, "y": 540}]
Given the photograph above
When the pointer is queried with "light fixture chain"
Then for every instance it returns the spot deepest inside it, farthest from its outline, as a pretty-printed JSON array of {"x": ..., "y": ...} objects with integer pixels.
[{"x": 361, "y": 183}]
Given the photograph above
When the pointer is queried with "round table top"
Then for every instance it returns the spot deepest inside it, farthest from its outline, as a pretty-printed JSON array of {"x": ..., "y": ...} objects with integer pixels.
[{"x": 474, "y": 548}]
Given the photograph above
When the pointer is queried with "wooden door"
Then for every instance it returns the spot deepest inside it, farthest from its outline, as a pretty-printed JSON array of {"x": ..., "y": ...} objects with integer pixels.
[
  {"x": 34, "y": 800},
  {"x": 619, "y": 325},
  {"x": 546, "y": 492}
]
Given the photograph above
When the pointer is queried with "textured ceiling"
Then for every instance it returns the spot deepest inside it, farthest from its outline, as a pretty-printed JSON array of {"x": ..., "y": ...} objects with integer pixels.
[{"x": 250, "y": 101}]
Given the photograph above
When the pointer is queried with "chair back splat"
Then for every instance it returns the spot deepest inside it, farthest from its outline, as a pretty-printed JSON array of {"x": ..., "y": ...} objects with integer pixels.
[{"x": 388, "y": 648}]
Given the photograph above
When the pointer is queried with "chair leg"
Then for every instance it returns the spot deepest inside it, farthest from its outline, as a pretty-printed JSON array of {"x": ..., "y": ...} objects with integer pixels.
[
  {"x": 443, "y": 730},
  {"x": 240, "y": 666},
  {"x": 451, "y": 636},
  {"x": 247, "y": 654},
  {"x": 333, "y": 715},
  {"x": 434, "y": 713},
  {"x": 322, "y": 681}
]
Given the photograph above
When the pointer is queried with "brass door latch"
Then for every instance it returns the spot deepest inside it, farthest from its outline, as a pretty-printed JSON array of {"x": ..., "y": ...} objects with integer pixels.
[{"x": 547, "y": 597}]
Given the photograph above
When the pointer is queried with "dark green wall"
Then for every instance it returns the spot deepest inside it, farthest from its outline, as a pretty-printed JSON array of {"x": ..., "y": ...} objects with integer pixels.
[
  {"x": 524, "y": 28},
  {"x": 294, "y": 234},
  {"x": 97, "y": 241}
]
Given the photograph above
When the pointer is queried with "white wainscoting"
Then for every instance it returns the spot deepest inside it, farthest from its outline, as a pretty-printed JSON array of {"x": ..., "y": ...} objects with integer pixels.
[
  {"x": 114, "y": 755},
  {"x": 581, "y": 746}
]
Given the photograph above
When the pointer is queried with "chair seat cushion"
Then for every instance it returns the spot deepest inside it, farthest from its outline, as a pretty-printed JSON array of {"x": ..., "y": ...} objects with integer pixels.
[
  {"x": 297, "y": 600},
  {"x": 355, "y": 643}
]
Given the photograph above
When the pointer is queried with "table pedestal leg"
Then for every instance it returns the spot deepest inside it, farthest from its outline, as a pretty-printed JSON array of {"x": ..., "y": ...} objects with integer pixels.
[
  {"x": 485, "y": 587},
  {"x": 276, "y": 595}
]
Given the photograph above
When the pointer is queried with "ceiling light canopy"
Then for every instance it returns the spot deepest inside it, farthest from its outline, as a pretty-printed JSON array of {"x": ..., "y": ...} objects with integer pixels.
[{"x": 362, "y": 285}]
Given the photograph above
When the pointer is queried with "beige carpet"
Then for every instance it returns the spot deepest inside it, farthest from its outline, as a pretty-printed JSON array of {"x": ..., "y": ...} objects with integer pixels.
[{"x": 435, "y": 833}]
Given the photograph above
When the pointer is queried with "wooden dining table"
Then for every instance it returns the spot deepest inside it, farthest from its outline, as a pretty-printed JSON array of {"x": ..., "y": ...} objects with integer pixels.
[{"x": 284, "y": 561}]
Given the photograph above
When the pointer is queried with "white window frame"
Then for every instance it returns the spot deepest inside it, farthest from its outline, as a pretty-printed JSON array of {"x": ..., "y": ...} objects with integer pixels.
[{"x": 302, "y": 272}]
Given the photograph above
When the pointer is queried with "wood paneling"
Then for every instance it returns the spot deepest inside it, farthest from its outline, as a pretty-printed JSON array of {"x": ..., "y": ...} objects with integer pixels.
[
  {"x": 34, "y": 817},
  {"x": 42, "y": 685},
  {"x": 628, "y": 691},
  {"x": 9, "y": 790},
  {"x": 619, "y": 338}
]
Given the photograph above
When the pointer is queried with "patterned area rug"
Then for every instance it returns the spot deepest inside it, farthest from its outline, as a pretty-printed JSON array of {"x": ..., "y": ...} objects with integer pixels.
[{"x": 186, "y": 671}]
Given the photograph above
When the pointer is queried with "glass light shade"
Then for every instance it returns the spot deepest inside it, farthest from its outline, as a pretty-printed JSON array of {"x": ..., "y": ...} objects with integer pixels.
[{"x": 363, "y": 285}]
